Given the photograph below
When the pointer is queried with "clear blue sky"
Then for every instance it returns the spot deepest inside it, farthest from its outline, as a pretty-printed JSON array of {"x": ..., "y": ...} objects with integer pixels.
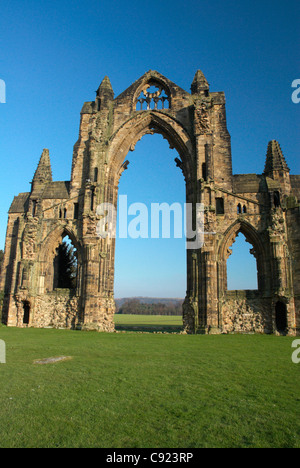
[{"x": 54, "y": 54}]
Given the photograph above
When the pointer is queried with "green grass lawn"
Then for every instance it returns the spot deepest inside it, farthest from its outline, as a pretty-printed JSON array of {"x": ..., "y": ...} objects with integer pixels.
[
  {"x": 148, "y": 319},
  {"x": 149, "y": 323},
  {"x": 138, "y": 390}
]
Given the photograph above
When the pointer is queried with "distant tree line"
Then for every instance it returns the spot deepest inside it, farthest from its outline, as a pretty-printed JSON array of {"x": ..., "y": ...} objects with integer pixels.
[
  {"x": 136, "y": 307},
  {"x": 67, "y": 266}
]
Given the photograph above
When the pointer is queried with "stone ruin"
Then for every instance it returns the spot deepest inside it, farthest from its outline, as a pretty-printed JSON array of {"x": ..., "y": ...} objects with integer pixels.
[{"x": 264, "y": 207}]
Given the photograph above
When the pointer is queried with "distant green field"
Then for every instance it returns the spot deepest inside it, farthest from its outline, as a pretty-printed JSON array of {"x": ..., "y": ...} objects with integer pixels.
[
  {"x": 169, "y": 323},
  {"x": 148, "y": 319},
  {"x": 134, "y": 390}
]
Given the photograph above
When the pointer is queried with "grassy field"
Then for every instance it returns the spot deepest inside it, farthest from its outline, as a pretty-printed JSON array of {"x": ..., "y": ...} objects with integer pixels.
[
  {"x": 148, "y": 319},
  {"x": 137, "y": 390},
  {"x": 164, "y": 323}
]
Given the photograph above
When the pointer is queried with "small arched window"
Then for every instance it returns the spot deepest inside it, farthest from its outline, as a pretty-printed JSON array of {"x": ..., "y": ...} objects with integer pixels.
[
  {"x": 26, "y": 309},
  {"x": 76, "y": 210},
  {"x": 277, "y": 202},
  {"x": 65, "y": 265},
  {"x": 34, "y": 208},
  {"x": 220, "y": 207}
]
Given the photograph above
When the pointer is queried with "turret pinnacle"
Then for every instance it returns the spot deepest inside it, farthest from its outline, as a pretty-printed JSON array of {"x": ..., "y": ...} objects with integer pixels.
[
  {"x": 275, "y": 160},
  {"x": 105, "y": 88},
  {"x": 105, "y": 94},
  {"x": 200, "y": 84},
  {"x": 43, "y": 174}
]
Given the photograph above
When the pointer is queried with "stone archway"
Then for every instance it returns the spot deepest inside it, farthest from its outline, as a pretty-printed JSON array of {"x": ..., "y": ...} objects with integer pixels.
[
  {"x": 244, "y": 311},
  {"x": 194, "y": 123},
  {"x": 224, "y": 251},
  {"x": 125, "y": 141},
  {"x": 151, "y": 198},
  {"x": 48, "y": 252}
]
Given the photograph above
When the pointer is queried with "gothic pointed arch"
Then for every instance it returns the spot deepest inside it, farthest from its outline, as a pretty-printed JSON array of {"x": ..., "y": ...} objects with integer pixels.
[
  {"x": 253, "y": 237},
  {"x": 48, "y": 252},
  {"x": 126, "y": 137},
  {"x": 53, "y": 239}
]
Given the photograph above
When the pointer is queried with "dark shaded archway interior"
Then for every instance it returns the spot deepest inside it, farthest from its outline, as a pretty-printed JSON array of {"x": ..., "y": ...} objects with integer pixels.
[{"x": 281, "y": 317}]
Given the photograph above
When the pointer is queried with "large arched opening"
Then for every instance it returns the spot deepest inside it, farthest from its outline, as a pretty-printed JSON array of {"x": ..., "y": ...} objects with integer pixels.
[
  {"x": 142, "y": 125},
  {"x": 150, "y": 246},
  {"x": 242, "y": 266},
  {"x": 252, "y": 246},
  {"x": 243, "y": 306}
]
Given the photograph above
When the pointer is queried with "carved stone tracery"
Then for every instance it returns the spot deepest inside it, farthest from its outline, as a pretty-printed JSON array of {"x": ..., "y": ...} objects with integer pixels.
[
  {"x": 155, "y": 99},
  {"x": 202, "y": 120}
]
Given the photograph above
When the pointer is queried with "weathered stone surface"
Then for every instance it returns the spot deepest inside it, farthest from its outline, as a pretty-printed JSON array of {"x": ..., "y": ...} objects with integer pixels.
[
  {"x": 246, "y": 312},
  {"x": 264, "y": 207},
  {"x": 57, "y": 309}
]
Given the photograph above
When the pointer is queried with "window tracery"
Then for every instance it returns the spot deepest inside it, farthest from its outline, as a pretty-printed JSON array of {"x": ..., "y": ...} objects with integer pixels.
[{"x": 153, "y": 97}]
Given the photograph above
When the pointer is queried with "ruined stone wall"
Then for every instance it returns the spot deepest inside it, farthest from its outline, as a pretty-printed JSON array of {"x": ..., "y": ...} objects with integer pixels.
[
  {"x": 258, "y": 206},
  {"x": 246, "y": 312},
  {"x": 104, "y": 316},
  {"x": 293, "y": 224},
  {"x": 8, "y": 271},
  {"x": 57, "y": 309}
]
